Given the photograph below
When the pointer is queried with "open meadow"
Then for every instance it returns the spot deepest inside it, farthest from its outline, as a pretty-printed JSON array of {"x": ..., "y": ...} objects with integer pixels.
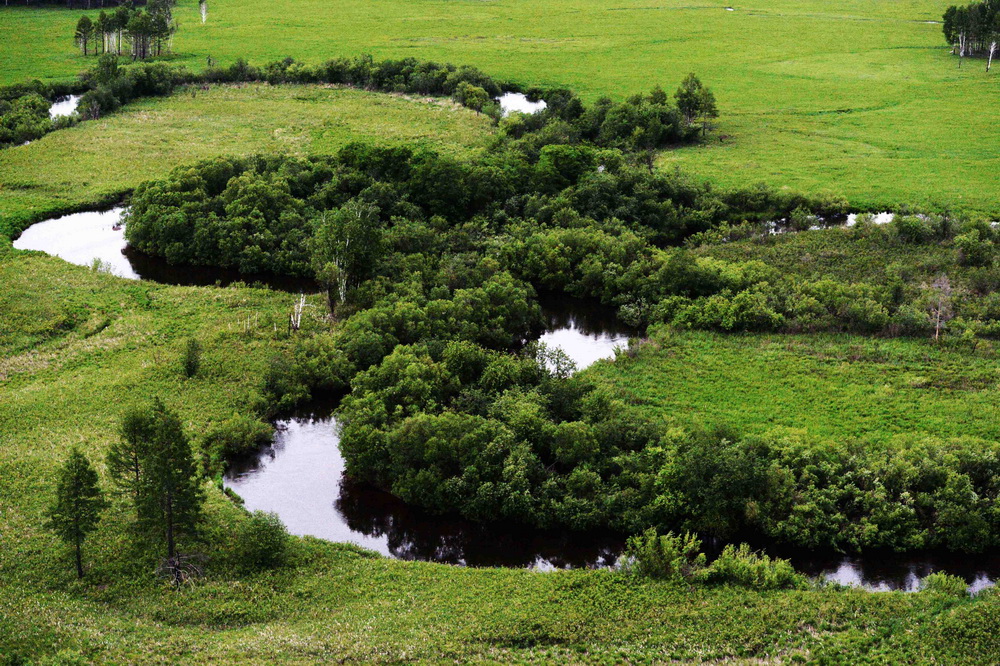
[
  {"x": 850, "y": 97},
  {"x": 100, "y": 161},
  {"x": 829, "y": 392}
]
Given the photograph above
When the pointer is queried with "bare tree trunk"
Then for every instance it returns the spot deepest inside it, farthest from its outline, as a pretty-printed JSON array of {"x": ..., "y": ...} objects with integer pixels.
[{"x": 993, "y": 48}]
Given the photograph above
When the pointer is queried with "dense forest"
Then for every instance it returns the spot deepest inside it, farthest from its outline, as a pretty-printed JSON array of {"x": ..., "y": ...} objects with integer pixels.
[
  {"x": 973, "y": 29},
  {"x": 432, "y": 265}
]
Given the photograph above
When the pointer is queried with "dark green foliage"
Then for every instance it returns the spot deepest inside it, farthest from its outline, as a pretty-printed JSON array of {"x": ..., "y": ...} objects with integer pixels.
[
  {"x": 126, "y": 455},
  {"x": 261, "y": 542},
  {"x": 155, "y": 462},
  {"x": 78, "y": 504},
  {"x": 24, "y": 118},
  {"x": 972, "y": 29},
  {"x": 191, "y": 360}
]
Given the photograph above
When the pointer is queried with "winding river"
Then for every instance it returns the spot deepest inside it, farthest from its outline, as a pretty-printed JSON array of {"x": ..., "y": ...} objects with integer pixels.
[{"x": 300, "y": 475}]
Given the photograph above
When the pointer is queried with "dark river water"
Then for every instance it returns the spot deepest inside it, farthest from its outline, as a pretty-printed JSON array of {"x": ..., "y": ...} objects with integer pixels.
[{"x": 300, "y": 475}]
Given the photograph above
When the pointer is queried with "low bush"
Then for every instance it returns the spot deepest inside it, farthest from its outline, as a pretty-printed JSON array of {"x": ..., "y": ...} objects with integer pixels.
[
  {"x": 741, "y": 566},
  {"x": 261, "y": 542}
]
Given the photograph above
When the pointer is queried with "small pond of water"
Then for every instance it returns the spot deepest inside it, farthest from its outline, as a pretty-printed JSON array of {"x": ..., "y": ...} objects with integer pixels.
[
  {"x": 64, "y": 106},
  {"x": 518, "y": 102}
]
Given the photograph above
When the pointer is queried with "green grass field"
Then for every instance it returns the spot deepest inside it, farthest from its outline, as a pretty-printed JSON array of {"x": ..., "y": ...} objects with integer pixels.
[
  {"x": 95, "y": 160},
  {"x": 79, "y": 351},
  {"x": 850, "y": 97},
  {"x": 854, "y": 97},
  {"x": 836, "y": 387}
]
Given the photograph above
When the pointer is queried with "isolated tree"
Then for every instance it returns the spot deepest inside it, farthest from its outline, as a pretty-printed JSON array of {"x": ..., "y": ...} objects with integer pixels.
[
  {"x": 170, "y": 495},
  {"x": 939, "y": 304},
  {"x": 696, "y": 102},
  {"x": 346, "y": 245},
  {"x": 78, "y": 504},
  {"x": 84, "y": 33}
]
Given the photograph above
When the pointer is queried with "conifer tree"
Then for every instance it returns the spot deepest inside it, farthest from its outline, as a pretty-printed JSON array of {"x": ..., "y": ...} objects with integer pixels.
[{"x": 78, "y": 504}]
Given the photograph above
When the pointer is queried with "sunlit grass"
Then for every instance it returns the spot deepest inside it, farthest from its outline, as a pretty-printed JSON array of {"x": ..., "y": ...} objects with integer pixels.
[
  {"x": 854, "y": 97},
  {"x": 96, "y": 159}
]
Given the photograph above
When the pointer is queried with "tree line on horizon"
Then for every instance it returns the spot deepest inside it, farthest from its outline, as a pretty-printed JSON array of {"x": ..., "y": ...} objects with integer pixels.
[{"x": 973, "y": 29}]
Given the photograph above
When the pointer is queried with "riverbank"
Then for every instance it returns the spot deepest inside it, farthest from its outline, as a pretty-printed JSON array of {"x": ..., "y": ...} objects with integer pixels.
[{"x": 79, "y": 347}]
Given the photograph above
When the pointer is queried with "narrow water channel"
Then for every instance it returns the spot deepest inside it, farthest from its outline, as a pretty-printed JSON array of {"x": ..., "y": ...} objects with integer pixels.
[{"x": 300, "y": 476}]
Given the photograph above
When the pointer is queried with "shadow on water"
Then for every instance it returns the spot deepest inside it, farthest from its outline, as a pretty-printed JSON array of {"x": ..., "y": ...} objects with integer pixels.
[
  {"x": 300, "y": 476},
  {"x": 81, "y": 238}
]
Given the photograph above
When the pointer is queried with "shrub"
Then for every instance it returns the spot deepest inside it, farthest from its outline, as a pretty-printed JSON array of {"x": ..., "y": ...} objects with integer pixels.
[
  {"x": 668, "y": 556},
  {"x": 191, "y": 360},
  {"x": 940, "y": 582},
  {"x": 240, "y": 434},
  {"x": 261, "y": 542},
  {"x": 738, "y": 565},
  {"x": 912, "y": 228},
  {"x": 974, "y": 249}
]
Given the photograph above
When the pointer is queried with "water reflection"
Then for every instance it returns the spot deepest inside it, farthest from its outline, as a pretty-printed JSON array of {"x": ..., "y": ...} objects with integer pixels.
[
  {"x": 64, "y": 106},
  {"x": 586, "y": 331},
  {"x": 519, "y": 103},
  {"x": 82, "y": 238}
]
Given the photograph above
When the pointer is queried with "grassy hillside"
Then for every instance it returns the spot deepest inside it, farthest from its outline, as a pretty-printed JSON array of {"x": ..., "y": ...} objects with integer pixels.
[
  {"x": 853, "y": 97},
  {"x": 81, "y": 346},
  {"x": 88, "y": 162}
]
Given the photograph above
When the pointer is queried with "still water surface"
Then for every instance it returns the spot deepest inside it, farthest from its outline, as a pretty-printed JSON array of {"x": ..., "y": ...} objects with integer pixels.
[{"x": 300, "y": 476}]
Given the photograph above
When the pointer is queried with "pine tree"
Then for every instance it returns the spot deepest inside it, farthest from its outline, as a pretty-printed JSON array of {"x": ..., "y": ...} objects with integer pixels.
[
  {"x": 78, "y": 504},
  {"x": 170, "y": 495},
  {"x": 127, "y": 456}
]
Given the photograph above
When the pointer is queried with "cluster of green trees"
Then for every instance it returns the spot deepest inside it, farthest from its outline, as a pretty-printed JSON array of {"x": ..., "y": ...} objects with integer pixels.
[
  {"x": 973, "y": 29},
  {"x": 24, "y": 111},
  {"x": 139, "y": 33},
  {"x": 431, "y": 265},
  {"x": 152, "y": 467}
]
